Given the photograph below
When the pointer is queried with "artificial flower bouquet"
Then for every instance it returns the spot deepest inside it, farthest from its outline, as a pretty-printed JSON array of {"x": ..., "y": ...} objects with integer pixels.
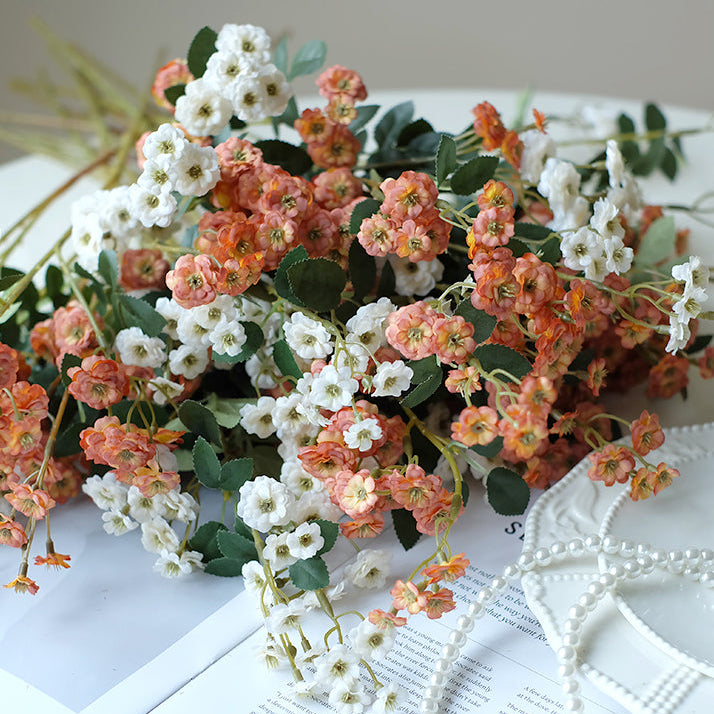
[{"x": 331, "y": 328}]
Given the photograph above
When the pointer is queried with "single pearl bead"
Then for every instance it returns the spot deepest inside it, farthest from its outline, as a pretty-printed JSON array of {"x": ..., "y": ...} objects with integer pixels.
[
  {"x": 566, "y": 669},
  {"x": 543, "y": 556},
  {"x": 485, "y": 596},
  {"x": 572, "y": 625},
  {"x": 457, "y": 638},
  {"x": 576, "y": 547},
  {"x": 465, "y": 623},
  {"x": 512, "y": 571},
  {"x": 617, "y": 571},
  {"x": 571, "y": 686},
  {"x": 646, "y": 563},
  {"x": 588, "y": 601},
  {"x": 610, "y": 545},
  {"x": 660, "y": 557},
  {"x": 643, "y": 548},
  {"x": 632, "y": 568},
  {"x": 707, "y": 578},
  {"x": 593, "y": 543},
  {"x": 429, "y": 706},
  {"x": 526, "y": 561},
  {"x": 559, "y": 550},
  {"x": 607, "y": 580},
  {"x": 676, "y": 564},
  {"x": 571, "y": 639},
  {"x": 566, "y": 653},
  {"x": 628, "y": 548},
  {"x": 577, "y": 612},
  {"x": 442, "y": 665},
  {"x": 449, "y": 652},
  {"x": 692, "y": 555},
  {"x": 432, "y": 692},
  {"x": 573, "y": 704},
  {"x": 692, "y": 573},
  {"x": 476, "y": 609},
  {"x": 706, "y": 555},
  {"x": 499, "y": 583},
  {"x": 438, "y": 679},
  {"x": 596, "y": 588}
]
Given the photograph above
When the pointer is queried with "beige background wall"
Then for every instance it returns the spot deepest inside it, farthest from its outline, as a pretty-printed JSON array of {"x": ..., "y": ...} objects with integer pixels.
[{"x": 658, "y": 50}]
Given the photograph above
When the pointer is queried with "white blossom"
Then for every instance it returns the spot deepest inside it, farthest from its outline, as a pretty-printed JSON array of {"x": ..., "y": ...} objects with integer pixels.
[
  {"x": 224, "y": 68},
  {"x": 614, "y": 163},
  {"x": 254, "y": 577},
  {"x": 173, "y": 565},
  {"x": 689, "y": 304},
  {"x": 143, "y": 508},
  {"x": 391, "y": 379},
  {"x": 286, "y": 616},
  {"x": 171, "y": 311},
  {"x": 188, "y": 360},
  {"x": 580, "y": 248},
  {"x": 276, "y": 91},
  {"x": 305, "y": 540},
  {"x": 694, "y": 273},
  {"x": 164, "y": 390},
  {"x": 190, "y": 331},
  {"x": 537, "y": 148},
  {"x": 136, "y": 348},
  {"x": 257, "y": 418},
  {"x": 196, "y": 171},
  {"x": 152, "y": 208},
  {"x": 158, "y": 535},
  {"x": 157, "y": 177},
  {"x": 370, "y": 569},
  {"x": 353, "y": 355},
  {"x": 605, "y": 220},
  {"x": 227, "y": 338},
  {"x": 371, "y": 642},
  {"x": 627, "y": 197},
  {"x": 117, "y": 522},
  {"x": 201, "y": 110},
  {"x": 339, "y": 665},
  {"x": 306, "y": 337},
  {"x": 679, "y": 334},
  {"x": 250, "y": 41},
  {"x": 618, "y": 256},
  {"x": 299, "y": 481},
  {"x": 333, "y": 388},
  {"x": 415, "y": 278},
  {"x": 264, "y": 503},
  {"x": 313, "y": 505},
  {"x": 371, "y": 316},
  {"x": 362, "y": 434},
  {"x": 106, "y": 491},
  {"x": 286, "y": 416},
  {"x": 277, "y": 551},
  {"x": 389, "y": 698},
  {"x": 179, "y": 506},
  {"x": 262, "y": 370},
  {"x": 348, "y": 698},
  {"x": 164, "y": 145}
]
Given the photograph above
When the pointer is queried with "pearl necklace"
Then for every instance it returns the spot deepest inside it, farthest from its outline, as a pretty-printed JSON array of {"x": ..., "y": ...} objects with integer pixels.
[{"x": 639, "y": 559}]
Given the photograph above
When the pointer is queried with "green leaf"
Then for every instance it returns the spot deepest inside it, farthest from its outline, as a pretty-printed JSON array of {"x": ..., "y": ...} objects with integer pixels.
[
  {"x": 226, "y": 409},
  {"x": 171, "y": 94},
  {"x": 7, "y": 281},
  {"x": 236, "y": 547},
  {"x": 364, "y": 114},
  {"x": 518, "y": 247},
  {"x": 445, "y": 158},
  {"x": 625, "y": 124},
  {"x": 67, "y": 442},
  {"x": 489, "y": 450},
  {"x": 423, "y": 369},
  {"x": 363, "y": 270},
  {"x": 412, "y": 131},
  {"x": 69, "y": 361},
  {"x": 669, "y": 164},
  {"x": 291, "y": 158},
  {"x": 288, "y": 116},
  {"x": 470, "y": 177},
  {"x": 657, "y": 244},
  {"x": 202, "y": 47},
  {"x": 700, "y": 342},
  {"x": 494, "y": 357},
  {"x": 266, "y": 460},
  {"x": 532, "y": 231},
  {"x": 225, "y": 567},
  {"x": 329, "y": 532},
  {"x": 206, "y": 464},
  {"x": 364, "y": 209},
  {"x": 387, "y": 281},
  {"x": 507, "y": 492},
  {"x": 280, "y": 56},
  {"x": 137, "y": 313},
  {"x": 550, "y": 251},
  {"x": 242, "y": 529},
  {"x": 235, "y": 473},
  {"x": 205, "y": 541},
  {"x": 283, "y": 357},
  {"x": 424, "y": 146},
  {"x": 426, "y": 378},
  {"x": 54, "y": 282},
  {"x": 405, "y": 528},
  {"x": 308, "y": 59},
  {"x": 282, "y": 286},
  {"x": 483, "y": 322},
  {"x": 310, "y": 574},
  {"x": 654, "y": 119},
  {"x": 254, "y": 339},
  {"x": 318, "y": 283},
  {"x": 199, "y": 420},
  {"x": 392, "y": 123},
  {"x": 109, "y": 267}
]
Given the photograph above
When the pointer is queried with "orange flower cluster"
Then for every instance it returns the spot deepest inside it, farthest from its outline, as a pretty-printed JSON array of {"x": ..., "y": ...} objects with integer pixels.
[{"x": 488, "y": 125}]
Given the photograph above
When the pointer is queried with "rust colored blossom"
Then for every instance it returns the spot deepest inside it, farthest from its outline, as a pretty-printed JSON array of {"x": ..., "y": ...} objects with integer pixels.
[
  {"x": 537, "y": 282},
  {"x": 668, "y": 377},
  {"x": 464, "y": 380},
  {"x": 143, "y": 269},
  {"x": 539, "y": 120},
  {"x": 235, "y": 156},
  {"x": 436, "y": 512},
  {"x": 338, "y": 80},
  {"x": 339, "y": 148},
  {"x": 523, "y": 431},
  {"x": 415, "y": 489},
  {"x": 596, "y": 375},
  {"x": 647, "y": 434},
  {"x": 476, "y": 425},
  {"x": 236, "y": 276},
  {"x": 453, "y": 341},
  {"x": 326, "y": 459},
  {"x": 512, "y": 149},
  {"x": 438, "y": 603},
  {"x": 368, "y": 526},
  {"x": 174, "y": 72},
  {"x": 640, "y": 487},
  {"x": 53, "y": 560},
  {"x": 23, "y": 584},
  {"x": 385, "y": 620},
  {"x": 72, "y": 332},
  {"x": 450, "y": 570},
  {"x": 538, "y": 394},
  {"x": 192, "y": 281},
  {"x": 152, "y": 480},
  {"x": 488, "y": 125},
  {"x": 336, "y": 188},
  {"x": 490, "y": 228},
  {"x": 98, "y": 382},
  {"x": 706, "y": 363},
  {"x": 378, "y": 235},
  {"x": 12, "y": 366},
  {"x": 11, "y": 532},
  {"x": 408, "y": 196},
  {"x": 356, "y": 495},
  {"x": 496, "y": 194},
  {"x": 411, "y": 330},
  {"x": 407, "y": 596},
  {"x": 612, "y": 464},
  {"x": 313, "y": 126},
  {"x": 31, "y": 502},
  {"x": 661, "y": 477}
]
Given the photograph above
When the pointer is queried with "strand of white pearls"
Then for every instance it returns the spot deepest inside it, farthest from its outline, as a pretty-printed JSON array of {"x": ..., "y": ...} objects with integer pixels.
[{"x": 638, "y": 559}]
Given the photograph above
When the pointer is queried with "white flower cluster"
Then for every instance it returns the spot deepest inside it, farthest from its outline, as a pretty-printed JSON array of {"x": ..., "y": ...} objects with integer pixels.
[
  {"x": 126, "y": 508},
  {"x": 415, "y": 278},
  {"x": 239, "y": 79},
  {"x": 695, "y": 276}
]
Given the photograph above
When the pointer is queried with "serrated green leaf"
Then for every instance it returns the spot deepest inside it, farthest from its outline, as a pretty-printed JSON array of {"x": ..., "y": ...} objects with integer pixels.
[
  {"x": 138, "y": 313},
  {"x": 489, "y": 450},
  {"x": 235, "y": 473},
  {"x": 518, "y": 247},
  {"x": 387, "y": 281},
  {"x": 282, "y": 286},
  {"x": 67, "y": 442},
  {"x": 483, "y": 323},
  {"x": 405, "y": 528},
  {"x": 654, "y": 119},
  {"x": 423, "y": 369},
  {"x": 280, "y": 56},
  {"x": 171, "y": 94},
  {"x": 392, "y": 123},
  {"x": 109, "y": 267},
  {"x": 292, "y": 158},
  {"x": 413, "y": 130},
  {"x": 549, "y": 252},
  {"x": 363, "y": 270},
  {"x": 329, "y": 532},
  {"x": 532, "y": 231},
  {"x": 657, "y": 244},
  {"x": 494, "y": 357},
  {"x": 470, "y": 177},
  {"x": 308, "y": 59},
  {"x": 445, "y": 158},
  {"x": 422, "y": 391},
  {"x": 224, "y": 567},
  {"x": 226, "y": 409},
  {"x": 364, "y": 209},
  {"x": 318, "y": 283},
  {"x": 69, "y": 361},
  {"x": 266, "y": 460},
  {"x": 206, "y": 464},
  {"x": 283, "y": 358},
  {"x": 236, "y": 547},
  {"x": 364, "y": 114},
  {"x": 199, "y": 420},
  {"x": 310, "y": 574},
  {"x": 242, "y": 529},
  {"x": 204, "y": 540},
  {"x": 507, "y": 492},
  {"x": 202, "y": 47}
]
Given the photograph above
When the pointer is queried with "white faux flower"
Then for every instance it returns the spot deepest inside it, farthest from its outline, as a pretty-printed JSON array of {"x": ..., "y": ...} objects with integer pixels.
[
  {"x": 171, "y": 311},
  {"x": 689, "y": 304},
  {"x": 115, "y": 216},
  {"x": 254, "y": 577},
  {"x": 353, "y": 355},
  {"x": 157, "y": 177},
  {"x": 262, "y": 370},
  {"x": 143, "y": 508},
  {"x": 180, "y": 506},
  {"x": 391, "y": 379},
  {"x": 152, "y": 208},
  {"x": 348, "y": 698},
  {"x": 158, "y": 535},
  {"x": 257, "y": 418},
  {"x": 276, "y": 91},
  {"x": 305, "y": 541},
  {"x": 188, "y": 360},
  {"x": 693, "y": 273},
  {"x": 164, "y": 145},
  {"x": 371, "y": 316},
  {"x": 306, "y": 337},
  {"x": 370, "y": 569},
  {"x": 164, "y": 390},
  {"x": 223, "y": 307},
  {"x": 277, "y": 551},
  {"x": 189, "y": 331},
  {"x": 248, "y": 98},
  {"x": 371, "y": 642},
  {"x": 618, "y": 256},
  {"x": 575, "y": 215},
  {"x": 264, "y": 503},
  {"x": 559, "y": 183},
  {"x": 227, "y": 338},
  {"x": 136, "y": 348},
  {"x": 299, "y": 481},
  {"x": 196, "y": 171},
  {"x": 172, "y": 565},
  {"x": 389, "y": 699},
  {"x": 580, "y": 248},
  {"x": 537, "y": 148},
  {"x": 87, "y": 241},
  {"x": 312, "y": 505},
  {"x": 250, "y": 41},
  {"x": 286, "y": 416},
  {"x": 415, "y": 278},
  {"x": 605, "y": 220},
  {"x": 362, "y": 434},
  {"x": 224, "y": 68},
  {"x": 286, "y": 616},
  {"x": 614, "y": 163},
  {"x": 117, "y": 523},
  {"x": 201, "y": 110},
  {"x": 679, "y": 334},
  {"x": 627, "y": 197},
  {"x": 106, "y": 491},
  {"x": 333, "y": 388},
  {"x": 339, "y": 665}
]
